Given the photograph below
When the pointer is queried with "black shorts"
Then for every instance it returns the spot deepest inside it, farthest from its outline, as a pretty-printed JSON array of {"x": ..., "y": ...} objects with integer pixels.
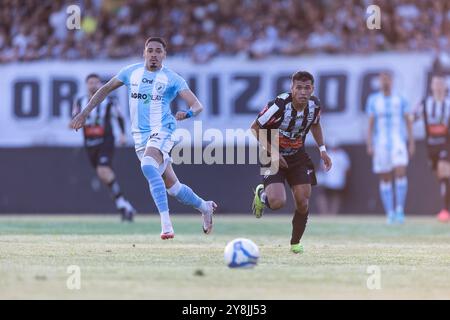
[
  {"x": 300, "y": 171},
  {"x": 437, "y": 153},
  {"x": 102, "y": 154}
]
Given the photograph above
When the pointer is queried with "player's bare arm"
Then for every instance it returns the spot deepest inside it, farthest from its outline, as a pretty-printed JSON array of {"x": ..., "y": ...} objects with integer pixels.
[
  {"x": 316, "y": 130},
  {"x": 75, "y": 110},
  {"x": 409, "y": 126},
  {"x": 369, "y": 142},
  {"x": 195, "y": 107},
  {"x": 97, "y": 98},
  {"x": 275, "y": 155}
]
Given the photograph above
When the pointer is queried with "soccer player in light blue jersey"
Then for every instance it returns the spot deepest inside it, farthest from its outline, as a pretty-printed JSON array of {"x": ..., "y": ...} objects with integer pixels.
[
  {"x": 389, "y": 133},
  {"x": 151, "y": 89}
]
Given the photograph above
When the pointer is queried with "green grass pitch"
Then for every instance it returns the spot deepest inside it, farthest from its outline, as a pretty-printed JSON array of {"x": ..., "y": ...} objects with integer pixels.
[{"x": 129, "y": 261}]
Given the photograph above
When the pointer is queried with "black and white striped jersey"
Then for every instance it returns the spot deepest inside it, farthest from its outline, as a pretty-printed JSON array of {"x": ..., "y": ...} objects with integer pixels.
[
  {"x": 436, "y": 115},
  {"x": 293, "y": 126},
  {"x": 98, "y": 125}
]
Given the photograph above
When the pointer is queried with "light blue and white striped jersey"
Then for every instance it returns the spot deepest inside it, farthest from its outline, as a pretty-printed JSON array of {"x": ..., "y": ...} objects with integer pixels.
[
  {"x": 389, "y": 114},
  {"x": 150, "y": 95}
]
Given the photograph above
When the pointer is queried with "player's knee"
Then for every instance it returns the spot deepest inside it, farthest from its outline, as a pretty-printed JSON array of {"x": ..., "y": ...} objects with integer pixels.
[
  {"x": 175, "y": 189},
  {"x": 148, "y": 166},
  {"x": 104, "y": 173},
  {"x": 443, "y": 169},
  {"x": 302, "y": 205},
  {"x": 276, "y": 202},
  {"x": 400, "y": 172}
]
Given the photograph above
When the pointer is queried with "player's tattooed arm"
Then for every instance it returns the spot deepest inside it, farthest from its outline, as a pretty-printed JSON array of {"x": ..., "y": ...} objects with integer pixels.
[
  {"x": 195, "y": 107},
  {"x": 98, "y": 97}
]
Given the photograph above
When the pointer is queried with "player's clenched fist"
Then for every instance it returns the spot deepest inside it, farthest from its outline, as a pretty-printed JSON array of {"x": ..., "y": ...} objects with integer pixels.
[
  {"x": 78, "y": 121},
  {"x": 326, "y": 160},
  {"x": 180, "y": 115}
]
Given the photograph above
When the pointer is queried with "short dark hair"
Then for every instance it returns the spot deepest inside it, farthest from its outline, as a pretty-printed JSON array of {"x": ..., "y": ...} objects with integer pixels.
[
  {"x": 157, "y": 39},
  {"x": 303, "y": 76},
  {"x": 92, "y": 75}
]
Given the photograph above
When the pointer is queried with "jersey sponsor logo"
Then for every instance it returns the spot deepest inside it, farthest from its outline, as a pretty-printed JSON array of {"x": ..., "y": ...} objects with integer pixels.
[
  {"x": 145, "y": 80},
  {"x": 309, "y": 171},
  {"x": 160, "y": 87},
  {"x": 287, "y": 143},
  {"x": 136, "y": 95},
  {"x": 94, "y": 131},
  {"x": 146, "y": 97},
  {"x": 437, "y": 129}
]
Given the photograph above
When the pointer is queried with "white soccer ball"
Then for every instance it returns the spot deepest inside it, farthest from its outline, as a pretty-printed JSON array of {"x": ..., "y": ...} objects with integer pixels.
[{"x": 241, "y": 253}]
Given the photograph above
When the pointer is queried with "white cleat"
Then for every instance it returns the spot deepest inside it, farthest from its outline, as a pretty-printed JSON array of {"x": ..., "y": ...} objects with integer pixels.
[
  {"x": 167, "y": 232},
  {"x": 208, "y": 217},
  {"x": 128, "y": 212}
]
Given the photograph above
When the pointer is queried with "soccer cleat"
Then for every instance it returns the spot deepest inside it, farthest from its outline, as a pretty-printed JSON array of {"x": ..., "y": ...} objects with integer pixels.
[
  {"x": 258, "y": 206},
  {"x": 127, "y": 211},
  {"x": 297, "y": 248},
  {"x": 167, "y": 231},
  {"x": 208, "y": 217},
  {"x": 400, "y": 217},
  {"x": 390, "y": 219},
  {"x": 167, "y": 235},
  {"x": 443, "y": 215}
]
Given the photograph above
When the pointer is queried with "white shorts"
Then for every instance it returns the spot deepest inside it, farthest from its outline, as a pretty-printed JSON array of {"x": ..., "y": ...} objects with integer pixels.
[
  {"x": 385, "y": 158},
  {"x": 163, "y": 141}
]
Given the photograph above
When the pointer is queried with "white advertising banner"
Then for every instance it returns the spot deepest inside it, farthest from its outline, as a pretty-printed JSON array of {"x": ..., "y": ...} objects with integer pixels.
[{"x": 36, "y": 98}]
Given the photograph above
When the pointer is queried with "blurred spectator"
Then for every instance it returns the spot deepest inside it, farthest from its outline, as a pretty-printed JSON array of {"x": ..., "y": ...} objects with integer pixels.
[
  {"x": 333, "y": 184},
  {"x": 203, "y": 29}
]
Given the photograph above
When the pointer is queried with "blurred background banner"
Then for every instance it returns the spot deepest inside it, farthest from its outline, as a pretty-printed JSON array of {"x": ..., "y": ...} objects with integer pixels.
[
  {"x": 236, "y": 55},
  {"x": 37, "y": 97}
]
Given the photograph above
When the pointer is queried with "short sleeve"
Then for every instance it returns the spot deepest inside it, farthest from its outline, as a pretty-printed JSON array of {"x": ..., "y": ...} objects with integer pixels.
[
  {"x": 180, "y": 84},
  {"x": 370, "y": 105},
  {"x": 405, "y": 106},
  {"x": 317, "y": 119},
  {"x": 270, "y": 117},
  {"x": 318, "y": 109},
  {"x": 124, "y": 75},
  {"x": 418, "y": 110}
]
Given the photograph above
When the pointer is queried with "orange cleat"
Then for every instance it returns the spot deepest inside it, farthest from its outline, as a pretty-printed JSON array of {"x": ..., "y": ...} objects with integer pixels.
[{"x": 443, "y": 216}]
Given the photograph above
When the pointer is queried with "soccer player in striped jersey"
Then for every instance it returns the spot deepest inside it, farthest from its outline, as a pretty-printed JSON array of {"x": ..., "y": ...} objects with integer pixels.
[
  {"x": 389, "y": 118},
  {"x": 99, "y": 142},
  {"x": 293, "y": 114},
  {"x": 435, "y": 111},
  {"x": 151, "y": 88}
]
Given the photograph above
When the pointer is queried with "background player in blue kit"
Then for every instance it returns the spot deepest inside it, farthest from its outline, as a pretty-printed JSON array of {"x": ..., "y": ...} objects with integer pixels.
[
  {"x": 151, "y": 89},
  {"x": 389, "y": 118}
]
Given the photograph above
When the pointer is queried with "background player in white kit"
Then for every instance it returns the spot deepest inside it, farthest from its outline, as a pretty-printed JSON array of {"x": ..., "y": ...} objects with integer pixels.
[
  {"x": 389, "y": 118},
  {"x": 151, "y": 89}
]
